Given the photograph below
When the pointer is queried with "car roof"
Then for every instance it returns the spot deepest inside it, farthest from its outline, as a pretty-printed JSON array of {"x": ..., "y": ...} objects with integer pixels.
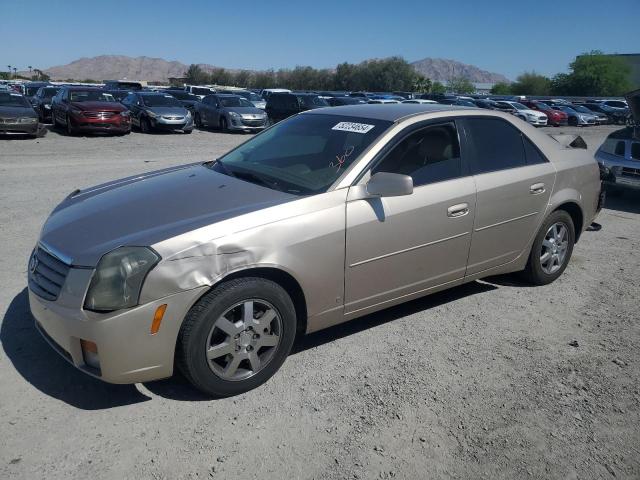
[
  {"x": 225, "y": 95},
  {"x": 387, "y": 111}
]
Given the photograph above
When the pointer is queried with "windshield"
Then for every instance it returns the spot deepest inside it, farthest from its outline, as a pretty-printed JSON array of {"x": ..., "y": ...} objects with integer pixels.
[
  {"x": 252, "y": 97},
  {"x": 235, "y": 102},
  {"x": 31, "y": 91},
  {"x": 581, "y": 109},
  {"x": 90, "y": 96},
  {"x": 302, "y": 155},
  {"x": 13, "y": 100},
  {"x": 565, "y": 109},
  {"x": 160, "y": 101},
  {"x": 312, "y": 101},
  {"x": 49, "y": 92},
  {"x": 184, "y": 95},
  {"x": 201, "y": 91},
  {"x": 519, "y": 106}
]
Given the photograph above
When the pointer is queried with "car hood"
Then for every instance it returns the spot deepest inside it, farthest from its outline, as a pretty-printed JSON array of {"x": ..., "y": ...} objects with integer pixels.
[
  {"x": 149, "y": 208},
  {"x": 99, "y": 106},
  {"x": 17, "y": 112},
  {"x": 245, "y": 110},
  {"x": 168, "y": 110},
  {"x": 534, "y": 112}
]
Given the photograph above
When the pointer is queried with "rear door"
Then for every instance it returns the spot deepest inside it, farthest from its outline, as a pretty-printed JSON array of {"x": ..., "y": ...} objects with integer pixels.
[
  {"x": 514, "y": 181},
  {"x": 398, "y": 246}
]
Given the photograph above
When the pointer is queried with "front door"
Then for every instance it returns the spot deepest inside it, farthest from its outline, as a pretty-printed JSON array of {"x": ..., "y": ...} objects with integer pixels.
[{"x": 398, "y": 246}]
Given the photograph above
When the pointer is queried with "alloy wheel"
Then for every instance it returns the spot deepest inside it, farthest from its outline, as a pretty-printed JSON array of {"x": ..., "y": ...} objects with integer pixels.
[
  {"x": 243, "y": 340},
  {"x": 554, "y": 248}
]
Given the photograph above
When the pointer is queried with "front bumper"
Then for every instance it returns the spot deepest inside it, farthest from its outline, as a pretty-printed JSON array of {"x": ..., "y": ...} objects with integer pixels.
[
  {"x": 127, "y": 351},
  {"x": 164, "y": 123},
  {"x": 247, "y": 125},
  {"x": 541, "y": 122},
  {"x": 116, "y": 123},
  {"x": 19, "y": 128}
]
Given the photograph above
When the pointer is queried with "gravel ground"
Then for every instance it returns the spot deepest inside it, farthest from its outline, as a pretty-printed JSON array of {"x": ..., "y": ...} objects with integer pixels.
[{"x": 488, "y": 380}]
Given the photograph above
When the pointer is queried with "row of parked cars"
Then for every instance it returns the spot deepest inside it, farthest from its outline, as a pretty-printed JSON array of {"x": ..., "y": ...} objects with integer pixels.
[{"x": 117, "y": 107}]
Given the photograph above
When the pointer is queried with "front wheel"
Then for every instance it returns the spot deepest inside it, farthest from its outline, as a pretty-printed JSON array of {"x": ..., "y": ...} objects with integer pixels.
[
  {"x": 198, "y": 121},
  {"x": 223, "y": 124},
  {"x": 551, "y": 250},
  {"x": 237, "y": 336},
  {"x": 145, "y": 125}
]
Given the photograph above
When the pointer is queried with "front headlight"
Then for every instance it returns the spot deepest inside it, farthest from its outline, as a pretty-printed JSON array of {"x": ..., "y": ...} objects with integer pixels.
[
  {"x": 235, "y": 115},
  {"x": 531, "y": 116},
  {"x": 47, "y": 106},
  {"x": 152, "y": 114},
  {"x": 188, "y": 114},
  {"x": 126, "y": 113},
  {"x": 27, "y": 120},
  {"x": 118, "y": 278}
]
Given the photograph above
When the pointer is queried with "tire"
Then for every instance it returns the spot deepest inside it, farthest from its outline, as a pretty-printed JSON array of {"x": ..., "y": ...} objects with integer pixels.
[
  {"x": 188, "y": 131},
  {"x": 218, "y": 377},
  {"x": 198, "y": 121},
  {"x": 537, "y": 272},
  {"x": 573, "y": 122},
  {"x": 71, "y": 131},
  {"x": 54, "y": 122},
  {"x": 145, "y": 126},
  {"x": 223, "y": 124}
]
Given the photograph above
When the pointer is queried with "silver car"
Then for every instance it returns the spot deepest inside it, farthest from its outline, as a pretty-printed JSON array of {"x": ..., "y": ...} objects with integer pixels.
[
  {"x": 229, "y": 113},
  {"x": 151, "y": 111},
  {"x": 332, "y": 214},
  {"x": 619, "y": 157}
]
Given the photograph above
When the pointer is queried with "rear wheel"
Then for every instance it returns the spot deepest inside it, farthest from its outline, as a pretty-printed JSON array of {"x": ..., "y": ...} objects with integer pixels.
[
  {"x": 551, "y": 249},
  {"x": 237, "y": 336},
  {"x": 145, "y": 126}
]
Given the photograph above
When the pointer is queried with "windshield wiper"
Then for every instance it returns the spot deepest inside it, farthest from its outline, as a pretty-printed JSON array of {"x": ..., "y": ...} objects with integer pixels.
[{"x": 252, "y": 177}]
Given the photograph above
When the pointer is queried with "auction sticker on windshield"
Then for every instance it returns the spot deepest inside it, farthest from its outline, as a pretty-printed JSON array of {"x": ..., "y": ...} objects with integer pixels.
[{"x": 353, "y": 127}]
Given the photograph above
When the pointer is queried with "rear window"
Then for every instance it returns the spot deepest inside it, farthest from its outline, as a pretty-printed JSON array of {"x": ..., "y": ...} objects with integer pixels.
[
  {"x": 635, "y": 150},
  {"x": 497, "y": 145}
]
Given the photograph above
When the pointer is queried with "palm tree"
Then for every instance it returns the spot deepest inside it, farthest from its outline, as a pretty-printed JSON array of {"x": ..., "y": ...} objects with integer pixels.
[{"x": 9, "y": 67}]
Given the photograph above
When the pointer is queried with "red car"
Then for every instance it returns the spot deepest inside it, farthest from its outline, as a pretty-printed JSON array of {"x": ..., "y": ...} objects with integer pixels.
[
  {"x": 82, "y": 109},
  {"x": 555, "y": 117}
]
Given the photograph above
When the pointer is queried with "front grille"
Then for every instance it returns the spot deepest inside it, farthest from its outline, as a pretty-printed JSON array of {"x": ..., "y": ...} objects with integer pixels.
[
  {"x": 253, "y": 123},
  {"x": 630, "y": 172},
  {"x": 102, "y": 115},
  {"x": 8, "y": 120},
  {"x": 172, "y": 118},
  {"x": 46, "y": 274}
]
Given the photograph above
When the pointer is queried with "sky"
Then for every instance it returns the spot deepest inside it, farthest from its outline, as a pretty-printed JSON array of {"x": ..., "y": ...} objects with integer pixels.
[{"x": 507, "y": 37}]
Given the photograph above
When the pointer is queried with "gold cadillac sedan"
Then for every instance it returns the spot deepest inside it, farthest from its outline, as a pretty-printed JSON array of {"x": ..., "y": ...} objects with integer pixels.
[{"x": 327, "y": 216}]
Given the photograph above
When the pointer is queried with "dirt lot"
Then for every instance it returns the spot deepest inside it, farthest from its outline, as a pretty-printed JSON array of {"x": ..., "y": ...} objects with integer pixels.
[{"x": 489, "y": 380}]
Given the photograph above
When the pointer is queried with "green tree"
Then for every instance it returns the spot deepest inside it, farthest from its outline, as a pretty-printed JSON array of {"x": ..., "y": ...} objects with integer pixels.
[
  {"x": 195, "y": 75},
  {"x": 501, "y": 88},
  {"x": 438, "y": 87},
  {"x": 460, "y": 85},
  {"x": 422, "y": 84},
  {"x": 594, "y": 74},
  {"x": 531, "y": 83}
]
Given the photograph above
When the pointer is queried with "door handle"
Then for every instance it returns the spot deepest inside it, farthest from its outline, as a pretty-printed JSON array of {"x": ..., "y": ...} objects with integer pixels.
[
  {"x": 460, "y": 210},
  {"x": 537, "y": 189}
]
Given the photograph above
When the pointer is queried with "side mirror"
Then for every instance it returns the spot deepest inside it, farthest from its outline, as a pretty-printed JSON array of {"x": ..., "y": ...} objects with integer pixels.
[{"x": 385, "y": 184}]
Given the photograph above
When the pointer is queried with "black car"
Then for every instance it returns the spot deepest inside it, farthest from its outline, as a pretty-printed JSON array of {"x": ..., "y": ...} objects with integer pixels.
[
  {"x": 283, "y": 105},
  {"x": 338, "y": 101},
  {"x": 17, "y": 116},
  {"x": 486, "y": 104},
  {"x": 42, "y": 102},
  {"x": 187, "y": 99},
  {"x": 31, "y": 89}
]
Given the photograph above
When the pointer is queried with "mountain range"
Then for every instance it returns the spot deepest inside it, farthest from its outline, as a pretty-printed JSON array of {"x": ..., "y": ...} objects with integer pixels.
[{"x": 107, "y": 67}]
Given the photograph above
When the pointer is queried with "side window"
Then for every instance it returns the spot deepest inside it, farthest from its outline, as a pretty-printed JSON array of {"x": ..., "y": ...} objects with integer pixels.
[
  {"x": 429, "y": 155},
  {"x": 635, "y": 150},
  {"x": 497, "y": 145},
  {"x": 531, "y": 152}
]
